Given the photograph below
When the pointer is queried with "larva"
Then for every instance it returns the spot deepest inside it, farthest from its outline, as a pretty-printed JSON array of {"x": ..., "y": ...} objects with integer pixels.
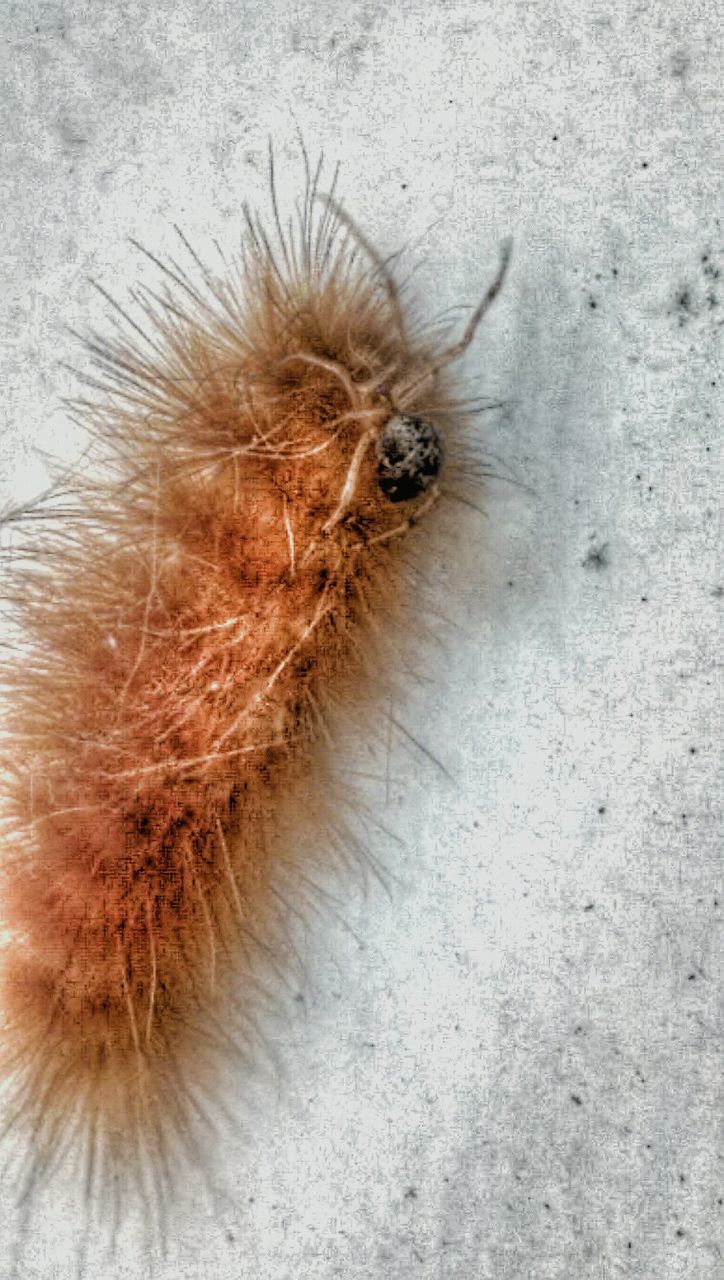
[{"x": 183, "y": 623}]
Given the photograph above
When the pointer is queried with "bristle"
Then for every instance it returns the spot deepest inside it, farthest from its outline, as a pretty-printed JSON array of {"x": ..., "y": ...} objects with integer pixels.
[{"x": 183, "y": 622}]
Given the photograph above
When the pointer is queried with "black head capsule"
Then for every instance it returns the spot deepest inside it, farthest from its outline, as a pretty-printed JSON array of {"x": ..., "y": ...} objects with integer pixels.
[{"x": 409, "y": 456}]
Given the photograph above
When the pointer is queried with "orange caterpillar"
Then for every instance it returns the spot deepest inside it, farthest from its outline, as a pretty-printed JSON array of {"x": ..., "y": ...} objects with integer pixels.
[{"x": 184, "y": 622}]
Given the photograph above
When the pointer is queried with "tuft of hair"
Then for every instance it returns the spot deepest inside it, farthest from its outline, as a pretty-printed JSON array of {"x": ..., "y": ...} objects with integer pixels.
[{"x": 183, "y": 622}]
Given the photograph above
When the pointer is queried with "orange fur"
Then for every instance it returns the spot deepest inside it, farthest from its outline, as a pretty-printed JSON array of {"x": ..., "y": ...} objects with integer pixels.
[{"x": 179, "y": 629}]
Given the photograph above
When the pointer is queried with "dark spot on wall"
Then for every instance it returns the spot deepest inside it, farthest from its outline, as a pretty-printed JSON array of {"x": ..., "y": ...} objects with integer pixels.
[
  {"x": 679, "y": 63},
  {"x": 710, "y": 271},
  {"x": 354, "y": 54},
  {"x": 711, "y": 275},
  {"x": 71, "y": 134},
  {"x": 368, "y": 17},
  {"x": 690, "y": 300},
  {"x": 596, "y": 557}
]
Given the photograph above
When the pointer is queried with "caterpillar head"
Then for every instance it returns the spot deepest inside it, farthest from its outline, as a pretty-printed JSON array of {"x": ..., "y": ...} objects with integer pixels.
[{"x": 409, "y": 457}]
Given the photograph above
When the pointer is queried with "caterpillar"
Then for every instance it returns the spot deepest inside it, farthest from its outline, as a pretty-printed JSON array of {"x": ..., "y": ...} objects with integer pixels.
[{"x": 187, "y": 619}]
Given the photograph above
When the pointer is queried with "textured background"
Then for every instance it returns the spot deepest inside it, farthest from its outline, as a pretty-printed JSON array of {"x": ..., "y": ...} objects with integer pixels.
[{"x": 510, "y": 1064}]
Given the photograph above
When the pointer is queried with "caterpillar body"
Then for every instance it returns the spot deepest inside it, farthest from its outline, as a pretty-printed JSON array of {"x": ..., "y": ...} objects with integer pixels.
[{"x": 183, "y": 622}]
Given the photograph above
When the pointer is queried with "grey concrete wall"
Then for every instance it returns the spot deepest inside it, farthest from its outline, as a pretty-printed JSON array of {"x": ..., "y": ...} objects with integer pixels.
[{"x": 509, "y": 1066}]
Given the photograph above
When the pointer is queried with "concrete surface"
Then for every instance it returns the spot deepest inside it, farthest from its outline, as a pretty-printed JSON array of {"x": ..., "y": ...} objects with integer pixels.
[{"x": 508, "y": 1067}]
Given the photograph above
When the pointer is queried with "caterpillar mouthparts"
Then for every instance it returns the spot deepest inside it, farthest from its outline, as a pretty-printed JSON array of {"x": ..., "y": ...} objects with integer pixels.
[{"x": 183, "y": 622}]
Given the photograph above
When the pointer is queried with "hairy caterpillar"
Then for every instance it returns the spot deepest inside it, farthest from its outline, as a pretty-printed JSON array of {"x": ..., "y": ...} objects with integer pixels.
[{"x": 184, "y": 622}]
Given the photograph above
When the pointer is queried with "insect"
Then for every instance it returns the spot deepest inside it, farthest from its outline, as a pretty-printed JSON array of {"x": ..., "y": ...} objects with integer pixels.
[{"x": 185, "y": 623}]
